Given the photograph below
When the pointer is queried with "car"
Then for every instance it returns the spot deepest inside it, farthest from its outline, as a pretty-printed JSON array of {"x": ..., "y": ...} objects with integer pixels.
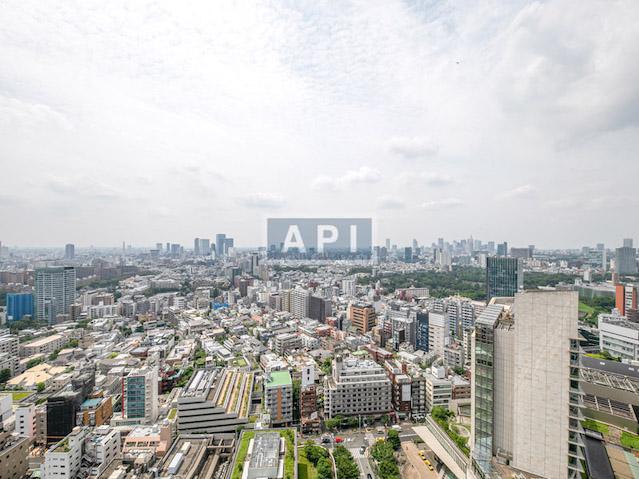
[
  {"x": 430, "y": 467},
  {"x": 427, "y": 462},
  {"x": 369, "y": 476},
  {"x": 338, "y": 439},
  {"x": 422, "y": 454},
  {"x": 326, "y": 440},
  {"x": 362, "y": 449},
  {"x": 397, "y": 427}
]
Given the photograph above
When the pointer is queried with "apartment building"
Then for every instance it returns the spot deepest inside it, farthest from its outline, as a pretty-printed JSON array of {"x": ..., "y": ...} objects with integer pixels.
[
  {"x": 357, "y": 386},
  {"x": 63, "y": 459},
  {"x": 14, "y": 456},
  {"x": 278, "y": 397},
  {"x": 362, "y": 317},
  {"x": 9, "y": 344},
  {"x": 286, "y": 342},
  {"x": 45, "y": 345},
  {"x": 439, "y": 389}
]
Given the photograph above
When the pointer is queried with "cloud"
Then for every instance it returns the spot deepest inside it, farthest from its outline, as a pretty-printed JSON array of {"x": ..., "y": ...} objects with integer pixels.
[
  {"x": 445, "y": 203},
  {"x": 411, "y": 148},
  {"x": 523, "y": 191},
  {"x": 426, "y": 178},
  {"x": 262, "y": 201},
  {"x": 82, "y": 187},
  {"x": 363, "y": 175},
  {"x": 387, "y": 202}
]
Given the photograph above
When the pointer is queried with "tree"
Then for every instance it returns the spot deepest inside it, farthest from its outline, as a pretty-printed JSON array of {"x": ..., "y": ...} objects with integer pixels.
[
  {"x": 333, "y": 423},
  {"x": 393, "y": 439},
  {"x": 297, "y": 386},
  {"x": 345, "y": 464},
  {"x": 324, "y": 468},
  {"x": 41, "y": 387},
  {"x": 5, "y": 375}
]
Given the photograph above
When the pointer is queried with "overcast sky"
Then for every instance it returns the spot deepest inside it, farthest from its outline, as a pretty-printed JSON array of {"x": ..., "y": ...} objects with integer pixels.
[{"x": 157, "y": 121}]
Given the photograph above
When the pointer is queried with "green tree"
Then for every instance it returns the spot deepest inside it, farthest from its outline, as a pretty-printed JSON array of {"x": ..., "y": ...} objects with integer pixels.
[
  {"x": 40, "y": 387},
  {"x": 5, "y": 375},
  {"x": 393, "y": 439},
  {"x": 324, "y": 468},
  {"x": 297, "y": 387}
]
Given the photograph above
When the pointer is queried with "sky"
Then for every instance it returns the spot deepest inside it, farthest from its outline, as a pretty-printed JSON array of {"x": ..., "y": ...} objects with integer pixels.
[{"x": 153, "y": 121}]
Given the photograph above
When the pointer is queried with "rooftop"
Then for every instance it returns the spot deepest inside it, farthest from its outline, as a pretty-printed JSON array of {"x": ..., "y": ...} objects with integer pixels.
[{"x": 278, "y": 379}]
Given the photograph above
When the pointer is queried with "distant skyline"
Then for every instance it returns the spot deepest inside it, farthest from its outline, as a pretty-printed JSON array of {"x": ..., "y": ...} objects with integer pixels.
[{"x": 161, "y": 121}]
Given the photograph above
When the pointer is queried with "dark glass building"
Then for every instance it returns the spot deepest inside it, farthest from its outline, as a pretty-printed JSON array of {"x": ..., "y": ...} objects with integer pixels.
[
  {"x": 504, "y": 277},
  {"x": 19, "y": 305},
  {"x": 61, "y": 415},
  {"x": 422, "y": 331}
]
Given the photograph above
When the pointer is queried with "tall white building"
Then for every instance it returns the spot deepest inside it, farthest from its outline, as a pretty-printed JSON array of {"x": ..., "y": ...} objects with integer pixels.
[
  {"x": 438, "y": 333},
  {"x": 300, "y": 302},
  {"x": 348, "y": 287},
  {"x": 54, "y": 292},
  {"x": 526, "y": 396},
  {"x": 26, "y": 420}
]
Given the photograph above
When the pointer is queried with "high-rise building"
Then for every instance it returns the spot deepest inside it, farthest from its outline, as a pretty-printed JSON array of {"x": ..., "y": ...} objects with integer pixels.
[
  {"x": 319, "y": 309},
  {"x": 626, "y": 260},
  {"x": 408, "y": 254},
  {"x": 220, "y": 241},
  {"x": 19, "y": 305},
  {"x": 362, "y": 317},
  {"x": 205, "y": 246},
  {"x": 140, "y": 395},
  {"x": 627, "y": 242},
  {"x": 504, "y": 276},
  {"x": 278, "y": 397},
  {"x": 387, "y": 243},
  {"x": 229, "y": 243},
  {"x": 69, "y": 251},
  {"x": 626, "y": 299},
  {"x": 196, "y": 246},
  {"x": 422, "y": 331},
  {"x": 526, "y": 397},
  {"x": 300, "y": 302},
  {"x": 54, "y": 292},
  {"x": 502, "y": 249}
]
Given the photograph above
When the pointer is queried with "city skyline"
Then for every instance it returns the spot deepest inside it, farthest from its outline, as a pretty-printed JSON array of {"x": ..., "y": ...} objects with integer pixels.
[{"x": 439, "y": 118}]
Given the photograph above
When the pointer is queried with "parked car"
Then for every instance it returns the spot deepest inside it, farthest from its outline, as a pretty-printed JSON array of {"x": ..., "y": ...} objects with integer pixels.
[{"x": 338, "y": 439}]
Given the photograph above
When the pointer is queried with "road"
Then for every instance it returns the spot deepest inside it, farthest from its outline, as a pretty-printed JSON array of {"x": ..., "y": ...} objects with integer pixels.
[
  {"x": 419, "y": 468},
  {"x": 362, "y": 462}
]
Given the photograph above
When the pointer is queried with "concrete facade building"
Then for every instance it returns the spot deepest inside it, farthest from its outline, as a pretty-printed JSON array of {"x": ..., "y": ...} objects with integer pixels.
[
  {"x": 54, "y": 292},
  {"x": 362, "y": 317},
  {"x": 619, "y": 336},
  {"x": 140, "y": 395},
  {"x": 516, "y": 348},
  {"x": 357, "y": 386},
  {"x": 278, "y": 397}
]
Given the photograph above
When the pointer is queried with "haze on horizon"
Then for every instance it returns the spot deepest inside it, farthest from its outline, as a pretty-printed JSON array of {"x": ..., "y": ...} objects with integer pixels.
[{"x": 159, "y": 121}]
